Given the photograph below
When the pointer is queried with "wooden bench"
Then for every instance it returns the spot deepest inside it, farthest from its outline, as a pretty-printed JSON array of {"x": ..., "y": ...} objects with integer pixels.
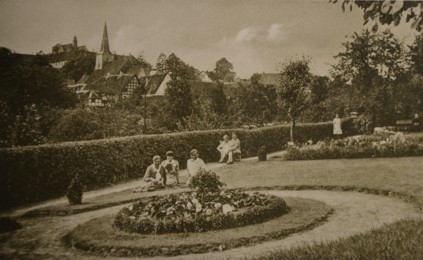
[{"x": 404, "y": 124}]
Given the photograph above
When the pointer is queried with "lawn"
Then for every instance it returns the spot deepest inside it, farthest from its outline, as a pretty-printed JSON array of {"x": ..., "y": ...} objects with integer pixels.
[
  {"x": 401, "y": 240},
  {"x": 403, "y": 175}
]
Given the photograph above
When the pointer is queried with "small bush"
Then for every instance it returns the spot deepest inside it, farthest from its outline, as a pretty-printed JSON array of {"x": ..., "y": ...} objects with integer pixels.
[
  {"x": 262, "y": 154},
  {"x": 74, "y": 192},
  {"x": 8, "y": 224},
  {"x": 206, "y": 181}
]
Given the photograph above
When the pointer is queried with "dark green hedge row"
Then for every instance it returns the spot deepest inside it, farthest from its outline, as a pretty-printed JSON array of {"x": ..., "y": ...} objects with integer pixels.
[{"x": 36, "y": 173}]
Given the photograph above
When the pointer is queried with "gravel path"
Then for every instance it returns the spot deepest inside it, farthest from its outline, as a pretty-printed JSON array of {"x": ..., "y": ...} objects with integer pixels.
[{"x": 354, "y": 213}]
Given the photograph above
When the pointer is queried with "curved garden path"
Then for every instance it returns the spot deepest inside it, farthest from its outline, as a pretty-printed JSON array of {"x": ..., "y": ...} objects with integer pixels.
[
  {"x": 354, "y": 213},
  {"x": 41, "y": 237}
]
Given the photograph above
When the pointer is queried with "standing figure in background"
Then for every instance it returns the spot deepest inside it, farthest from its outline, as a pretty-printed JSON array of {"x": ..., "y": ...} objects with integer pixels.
[
  {"x": 225, "y": 149},
  {"x": 194, "y": 165},
  {"x": 171, "y": 167},
  {"x": 337, "y": 127}
]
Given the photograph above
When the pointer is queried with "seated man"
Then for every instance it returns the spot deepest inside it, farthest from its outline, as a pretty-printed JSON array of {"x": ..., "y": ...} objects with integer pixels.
[
  {"x": 170, "y": 166},
  {"x": 194, "y": 165},
  {"x": 236, "y": 147},
  {"x": 225, "y": 149}
]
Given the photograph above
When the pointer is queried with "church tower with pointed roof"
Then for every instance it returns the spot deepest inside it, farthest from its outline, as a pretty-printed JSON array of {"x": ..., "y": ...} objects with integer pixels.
[{"x": 104, "y": 55}]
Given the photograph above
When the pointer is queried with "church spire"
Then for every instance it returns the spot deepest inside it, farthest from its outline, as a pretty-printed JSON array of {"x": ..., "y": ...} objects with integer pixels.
[{"x": 105, "y": 41}]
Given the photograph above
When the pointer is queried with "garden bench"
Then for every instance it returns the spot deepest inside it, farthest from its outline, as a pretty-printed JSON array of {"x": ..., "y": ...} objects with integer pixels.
[{"x": 404, "y": 124}]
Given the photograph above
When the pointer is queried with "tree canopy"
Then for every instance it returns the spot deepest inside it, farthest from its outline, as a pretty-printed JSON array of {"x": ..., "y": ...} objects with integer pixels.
[
  {"x": 293, "y": 89},
  {"x": 387, "y": 11},
  {"x": 223, "y": 71}
]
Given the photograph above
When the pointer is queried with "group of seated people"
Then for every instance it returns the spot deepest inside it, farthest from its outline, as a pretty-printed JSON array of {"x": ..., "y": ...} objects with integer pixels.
[
  {"x": 230, "y": 148},
  {"x": 156, "y": 174}
]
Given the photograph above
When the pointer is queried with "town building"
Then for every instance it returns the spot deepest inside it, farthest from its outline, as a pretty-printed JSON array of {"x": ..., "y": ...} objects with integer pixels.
[
  {"x": 63, "y": 53},
  {"x": 115, "y": 78}
]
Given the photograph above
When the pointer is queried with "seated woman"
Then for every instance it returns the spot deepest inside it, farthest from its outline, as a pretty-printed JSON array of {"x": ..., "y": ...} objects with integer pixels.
[
  {"x": 225, "y": 149},
  {"x": 153, "y": 176},
  {"x": 170, "y": 166},
  {"x": 236, "y": 147},
  {"x": 194, "y": 165}
]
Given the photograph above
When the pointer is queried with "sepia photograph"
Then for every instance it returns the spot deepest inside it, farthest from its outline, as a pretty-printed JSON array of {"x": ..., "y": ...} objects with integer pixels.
[{"x": 211, "y": 129}]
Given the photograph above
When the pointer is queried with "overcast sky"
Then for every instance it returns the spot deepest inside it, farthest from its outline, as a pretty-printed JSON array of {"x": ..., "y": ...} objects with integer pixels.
[{"x": 255, "y": 35}]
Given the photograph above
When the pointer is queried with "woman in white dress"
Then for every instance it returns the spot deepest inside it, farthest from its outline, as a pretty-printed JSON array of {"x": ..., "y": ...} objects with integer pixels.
[{"x": 337, "y": 127}]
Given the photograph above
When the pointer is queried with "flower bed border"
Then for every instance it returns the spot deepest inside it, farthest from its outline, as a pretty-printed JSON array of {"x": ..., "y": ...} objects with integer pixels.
[
  {"x": 105, "y": 247},
  {"x": 249, "y": 215}
]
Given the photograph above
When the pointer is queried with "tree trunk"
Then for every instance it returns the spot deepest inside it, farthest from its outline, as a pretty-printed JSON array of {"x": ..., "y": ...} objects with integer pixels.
[{"x": 292, "y": 132}]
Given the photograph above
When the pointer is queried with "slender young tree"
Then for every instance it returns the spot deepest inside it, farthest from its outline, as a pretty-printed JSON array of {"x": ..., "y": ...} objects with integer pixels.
[{"x": 293, "y": 88}]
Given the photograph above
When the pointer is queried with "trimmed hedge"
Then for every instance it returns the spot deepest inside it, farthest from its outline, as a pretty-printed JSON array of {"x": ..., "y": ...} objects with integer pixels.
[{"x": 36, "y": 173}]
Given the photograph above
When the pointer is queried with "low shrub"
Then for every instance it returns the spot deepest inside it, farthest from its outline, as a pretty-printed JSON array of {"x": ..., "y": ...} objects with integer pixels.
[
  {"x": 262, "y": 154},
  {"x": 188, "y": 212},
  {"x": 74, "y": 192},
  {"x": 378, "y": 145},
  {"x": 206, "y": 181},
  {"x": 8, "y": 224},
  {"x": 36, "y": 173}
]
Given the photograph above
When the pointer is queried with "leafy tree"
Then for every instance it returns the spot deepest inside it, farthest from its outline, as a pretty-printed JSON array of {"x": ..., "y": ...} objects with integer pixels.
[
  {"x": 27, "y": 129},
  {"x": 292, "y": 91},
  {"x": 372, "y": 64},
  {"x": 31, "y": 80},
  {"x": 82, "y": 63},
  {"x": 144, "y": 62},
  {"x": 416, "y": 54},
  {"x": 28, "y": 86},
  {"x": 388, "y": 11},
  {"x": 223, "y": 71},
  {"x": 258, "y": 101},
  {"x": 219, "y": 105},
  {"x": 319, "y": 93},
  {"x": 161, "y": 63},
  {"x": 179, "y": 88},
  {"x": 75, "y": 125}
]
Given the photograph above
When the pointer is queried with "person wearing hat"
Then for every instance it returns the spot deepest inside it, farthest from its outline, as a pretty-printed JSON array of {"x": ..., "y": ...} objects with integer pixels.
[{"x": 170, "y": 166}]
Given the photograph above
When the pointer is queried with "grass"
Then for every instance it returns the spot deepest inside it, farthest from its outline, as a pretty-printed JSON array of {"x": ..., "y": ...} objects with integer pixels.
[
  {"x": 400, "y": 240},
  {"x": 100, "y": 237},
  {"x": 402, "y": 175},
  {"x": 100, "y": 202}
]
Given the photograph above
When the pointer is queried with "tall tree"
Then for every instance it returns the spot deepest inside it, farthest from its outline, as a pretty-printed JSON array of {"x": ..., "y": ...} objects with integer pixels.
[
  {"x": 144, "y": 62},
  {"x": 224, "y": 71},
  {"x": 82, "y": 63},
  {"x": 293, "y": 88},
  {"x": 161, "y": 63},
  {"x": 179, "y": 88},
  {"x": 416, "y": 54},
  {"x": 258, "y": 101},
  {"x": 372, "y": 64},
  {"x": 28, "y": 85}
]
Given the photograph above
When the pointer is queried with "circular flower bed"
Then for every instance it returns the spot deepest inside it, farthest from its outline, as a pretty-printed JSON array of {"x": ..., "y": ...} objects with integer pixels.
[{"x": 193, "y": 212}]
